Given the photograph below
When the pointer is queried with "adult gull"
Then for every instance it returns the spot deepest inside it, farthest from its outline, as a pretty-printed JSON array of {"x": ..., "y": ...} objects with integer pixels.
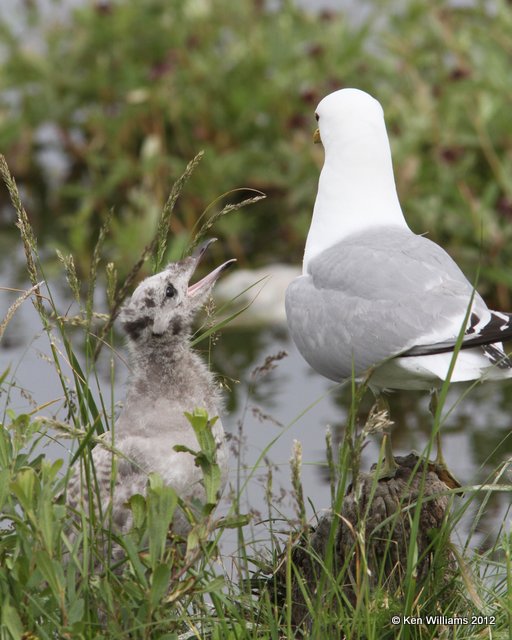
[{"x": 374, "y": 296}]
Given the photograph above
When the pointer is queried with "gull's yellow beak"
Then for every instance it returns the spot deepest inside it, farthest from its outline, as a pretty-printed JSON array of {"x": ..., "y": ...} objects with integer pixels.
[{"x": 316, "y": 136}]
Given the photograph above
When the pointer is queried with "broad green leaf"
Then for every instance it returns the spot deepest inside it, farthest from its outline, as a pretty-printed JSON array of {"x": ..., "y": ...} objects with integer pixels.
[
  {"x": 53, "y": 573},
  {"x": 23, "y": 487},
  {"x": 6, "y": 452},
  {"x": 162, "y": 502},
  {"x": 11, "y": 620},
  {"x": 133, "y": 557},
  {"x": 46, "y": 522},
  {"x": 75, "y": 611},
  {"x": 137, "y": 505},
  {"x": 159, "y": 583},
  {"x": 206, "y": 459},
  {"x": 5, "y": 476}
]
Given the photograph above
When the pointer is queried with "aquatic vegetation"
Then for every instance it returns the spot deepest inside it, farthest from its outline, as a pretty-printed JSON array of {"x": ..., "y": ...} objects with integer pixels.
[{"x": 117, "y": 97}]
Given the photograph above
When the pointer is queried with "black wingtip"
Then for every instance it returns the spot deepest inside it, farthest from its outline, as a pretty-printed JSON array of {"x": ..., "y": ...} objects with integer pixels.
[{"x": 497, "y": 330}]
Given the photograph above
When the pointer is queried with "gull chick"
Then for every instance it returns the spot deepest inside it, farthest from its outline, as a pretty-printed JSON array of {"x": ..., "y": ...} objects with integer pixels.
[{"x": 167, "y": 379}]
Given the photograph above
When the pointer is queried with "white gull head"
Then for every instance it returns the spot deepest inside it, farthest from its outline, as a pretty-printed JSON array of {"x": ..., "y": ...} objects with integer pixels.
[{"x": 357, "y": 188}]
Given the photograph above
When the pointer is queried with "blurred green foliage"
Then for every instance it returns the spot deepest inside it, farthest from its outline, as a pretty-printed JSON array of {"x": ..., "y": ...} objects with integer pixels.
[{"x": 125, "y": 93}]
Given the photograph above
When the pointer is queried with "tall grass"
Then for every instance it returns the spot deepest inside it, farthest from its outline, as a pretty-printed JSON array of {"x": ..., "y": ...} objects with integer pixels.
[{"x": 69, "y": 574}]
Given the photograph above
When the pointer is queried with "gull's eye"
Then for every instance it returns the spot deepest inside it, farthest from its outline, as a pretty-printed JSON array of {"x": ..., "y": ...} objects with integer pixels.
[
  {"x": 170, "y": 292},
  {"x": 317, "y": 117}
]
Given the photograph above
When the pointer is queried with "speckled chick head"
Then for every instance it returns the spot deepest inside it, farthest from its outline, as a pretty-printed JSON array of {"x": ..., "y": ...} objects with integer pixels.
[{"x": 164, "y": 305}]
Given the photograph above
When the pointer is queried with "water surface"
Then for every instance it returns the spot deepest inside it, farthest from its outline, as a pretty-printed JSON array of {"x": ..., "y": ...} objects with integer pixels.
[{"x": 290, "y": 402}]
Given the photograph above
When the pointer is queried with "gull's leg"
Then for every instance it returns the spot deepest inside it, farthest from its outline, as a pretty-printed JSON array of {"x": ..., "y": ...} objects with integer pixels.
[
  {"x": 390, "y": 466},
  {"x": 440, "y": 463},
  {"x": 433, "y": 404}
]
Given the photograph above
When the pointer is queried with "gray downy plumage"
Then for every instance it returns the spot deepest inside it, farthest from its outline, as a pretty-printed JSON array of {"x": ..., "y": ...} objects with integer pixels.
[{"x": 167, "y": 379}]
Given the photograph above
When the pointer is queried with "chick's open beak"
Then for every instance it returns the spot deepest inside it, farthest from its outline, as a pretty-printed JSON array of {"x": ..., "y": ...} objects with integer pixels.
[
  {"x": 208, "y": 280},
  {"x": 316, "y": 136},
  {"x": 200, "y": 250}
]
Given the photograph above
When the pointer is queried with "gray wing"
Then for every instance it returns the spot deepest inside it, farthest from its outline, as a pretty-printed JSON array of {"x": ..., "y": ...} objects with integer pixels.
[{"x": 373, "y": 296}]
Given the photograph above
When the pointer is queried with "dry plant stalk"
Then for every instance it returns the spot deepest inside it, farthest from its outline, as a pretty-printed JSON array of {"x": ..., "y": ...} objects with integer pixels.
[
  {"x": 229, "y": 208},
  {"x": 27, "y": 233},
  {"x": 71, "y": 277},
  {"x": 378, "y": 421},
  {"x": 94, "y": 265},
  {"x": 15, "y": 306},
  {"x": 296, "y": 466},
  {"x": 160, "y": 240},
  {"x": 158, "y": 244}
]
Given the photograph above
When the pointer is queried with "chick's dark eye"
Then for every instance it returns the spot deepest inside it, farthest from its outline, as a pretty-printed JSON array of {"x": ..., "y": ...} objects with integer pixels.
[
  {"x": 170, "y": 292},
  {"x": 317, "y": 117}
]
